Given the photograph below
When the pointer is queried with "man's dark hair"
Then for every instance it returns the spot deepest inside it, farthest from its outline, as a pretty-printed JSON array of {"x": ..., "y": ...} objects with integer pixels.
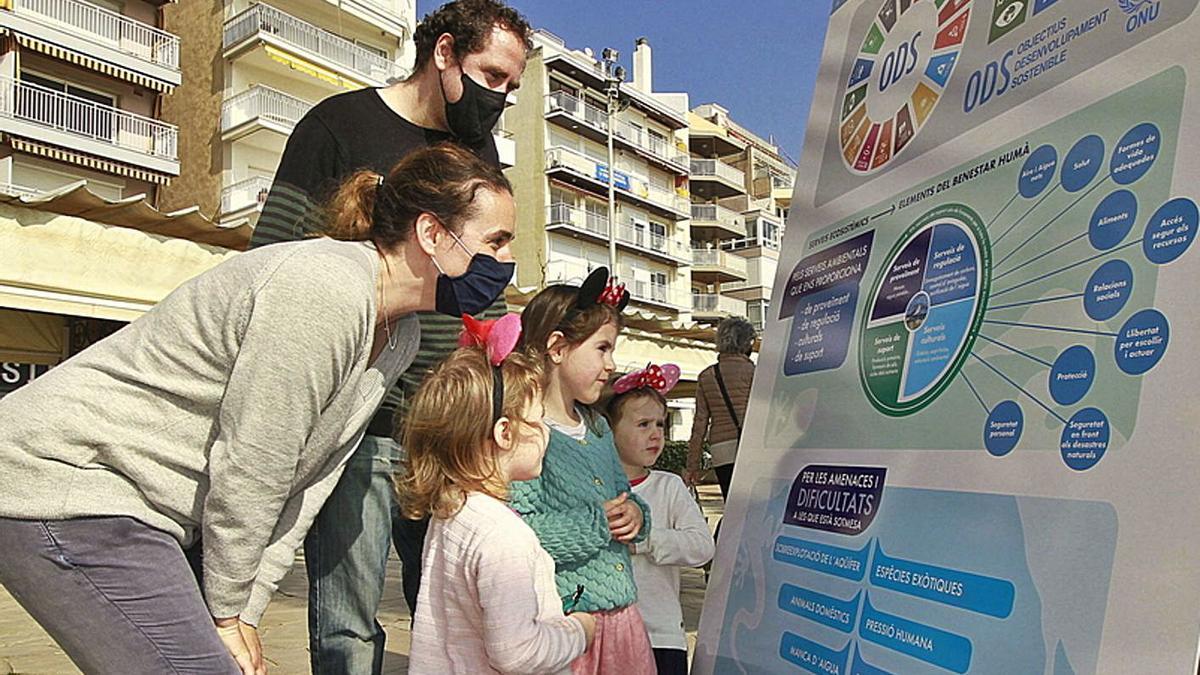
[{"x": 470, "y": 22}]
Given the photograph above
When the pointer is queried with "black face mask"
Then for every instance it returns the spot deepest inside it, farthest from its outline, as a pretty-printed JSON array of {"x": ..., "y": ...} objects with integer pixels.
[
  {"x": 474, "y": 290},
  {"x": 472, "y": 118}
]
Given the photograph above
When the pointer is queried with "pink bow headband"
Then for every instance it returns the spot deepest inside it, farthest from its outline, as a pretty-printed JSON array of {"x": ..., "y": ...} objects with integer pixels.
[
  {"x": 659, "y": 378},
  {"x": 497, "y": 338}
]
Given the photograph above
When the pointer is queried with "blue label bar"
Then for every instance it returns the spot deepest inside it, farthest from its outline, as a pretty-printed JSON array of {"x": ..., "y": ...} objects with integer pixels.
[
  {"x": 860, "y": 667},
  {"x": 974, "y": 592},
  {"x": 824, "y": 609},
  {"x": 926, "y": 643},
  {"x": 840, "y": 562},
  {"x": 813, "y": 657}
]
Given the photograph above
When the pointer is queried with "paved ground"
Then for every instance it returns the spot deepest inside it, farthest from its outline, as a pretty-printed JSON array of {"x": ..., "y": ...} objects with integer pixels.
[{"x": 25, "y": 648}]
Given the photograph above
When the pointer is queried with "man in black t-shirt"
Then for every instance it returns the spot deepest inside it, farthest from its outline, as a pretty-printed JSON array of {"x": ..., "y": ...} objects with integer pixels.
[{"x": 470, "y": 55}]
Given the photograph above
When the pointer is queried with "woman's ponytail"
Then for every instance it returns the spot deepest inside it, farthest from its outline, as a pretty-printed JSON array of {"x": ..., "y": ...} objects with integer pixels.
[{"x": 351, "y": 211}]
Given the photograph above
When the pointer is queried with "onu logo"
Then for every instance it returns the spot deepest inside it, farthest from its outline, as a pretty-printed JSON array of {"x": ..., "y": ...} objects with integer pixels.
[{"x": 899, "y": 62}]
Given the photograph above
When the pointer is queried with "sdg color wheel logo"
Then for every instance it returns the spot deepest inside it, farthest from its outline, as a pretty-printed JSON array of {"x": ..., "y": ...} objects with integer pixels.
[{"x": 903, "y": 66}]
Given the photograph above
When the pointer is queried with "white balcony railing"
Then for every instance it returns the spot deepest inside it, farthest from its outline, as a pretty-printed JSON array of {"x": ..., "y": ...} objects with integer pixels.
[
  {"x": 642, "y": 238},
  {"x": 632, "y": 135},
  {"x": 669, "y": 199},
  {"x": 568, "y": 158},
  {"x": 63, "y": 112},
  {"x": 713, "y": 303},
  {"x": 717, "y": 215},
  {"x": 560, "y": 213},
  {"x": 245, "y": 194},
  {"x": 580, "y": 110},
  {"x": 575, "y": 271},
  {"x": 716, "y": 258},
  {"x": 750, "y": 242},
  {"x": 567, "y": 271},
  {"x": 263, "y": 103},
  {"x": 662, "y": 294},
  {"x": 712, "y": 168},
  {"x": 105, "y": 27},
  {"x": 344, "y": 54}
]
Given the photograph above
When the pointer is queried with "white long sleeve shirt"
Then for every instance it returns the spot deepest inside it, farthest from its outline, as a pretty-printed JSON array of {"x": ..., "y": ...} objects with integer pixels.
[
  {"x": 679, "y": 537},
  {"x": 488, "y": 602}
]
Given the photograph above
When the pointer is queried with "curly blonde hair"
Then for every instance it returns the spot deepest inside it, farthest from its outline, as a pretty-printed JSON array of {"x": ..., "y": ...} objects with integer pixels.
[{"x": 448, "y": 431}]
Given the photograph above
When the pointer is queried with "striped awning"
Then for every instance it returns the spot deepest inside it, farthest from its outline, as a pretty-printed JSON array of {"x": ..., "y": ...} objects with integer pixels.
[
  {"x": 83, "y": 159},
  {"x": 53, "y": 50},
  {"x": 296, "y": 63}
]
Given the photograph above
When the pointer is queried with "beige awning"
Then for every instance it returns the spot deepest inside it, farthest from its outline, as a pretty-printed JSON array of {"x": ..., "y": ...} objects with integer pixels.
[
  {"x": 53, "y": 50},
  {"x": 134, "y": 212},
  {"x": 84, "y": 159},
  {"x": 26, "y": 337},
  {"x": 72, "y": 266}
]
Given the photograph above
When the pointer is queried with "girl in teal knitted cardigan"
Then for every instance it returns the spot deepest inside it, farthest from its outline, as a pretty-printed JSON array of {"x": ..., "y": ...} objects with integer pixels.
[{"x": 581, "y": 507}]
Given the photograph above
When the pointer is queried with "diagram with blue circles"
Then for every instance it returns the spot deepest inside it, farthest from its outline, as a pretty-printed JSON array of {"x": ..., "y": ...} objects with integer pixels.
[
  {"x": 1015, "y": 292},
  {"x": 1008, "y": 313}
]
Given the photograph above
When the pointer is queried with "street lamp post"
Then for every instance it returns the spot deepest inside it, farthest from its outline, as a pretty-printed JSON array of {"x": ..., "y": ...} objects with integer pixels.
[{"x": 613, "y": 76}]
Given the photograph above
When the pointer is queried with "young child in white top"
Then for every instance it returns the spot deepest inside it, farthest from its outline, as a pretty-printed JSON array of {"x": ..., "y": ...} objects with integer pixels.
[
  {"x": 679, "y": 534},
  {"x": 488, "y": 601}
]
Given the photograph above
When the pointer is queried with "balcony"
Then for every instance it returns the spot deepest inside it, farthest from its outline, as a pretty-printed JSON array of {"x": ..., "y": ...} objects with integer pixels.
[
  {"x": 576, "y": 169},
  {"x": 245, "y": 195},
  {"x": 752, "y": 246},
  {"x": 714, "y": 179},
  {"x": 506, "y": 147},
  {"x": 586, "y": 224},
  {"x": 724, "y": 223},
  {"x": 386, "y": 15},
  {"x": 108, "y": 41},
  {"x": 651, "y": 293},
  {"x": 716, "y": 306},
  {"x": 652, "y": 244},
  {"x": 567, "y": 272},
  {"x": 588, "y": 120},
  {"x": 717, "y": 266},
  {"x": 579, "y": 221},
  {"x": 261, "y": 107},
  {"x": 317, "y": 49},
  {"x": 67, "y": 121}
]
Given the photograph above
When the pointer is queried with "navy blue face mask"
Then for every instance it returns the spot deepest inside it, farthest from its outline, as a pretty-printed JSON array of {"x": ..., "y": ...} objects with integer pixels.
[{"x": 474, "y": 290}]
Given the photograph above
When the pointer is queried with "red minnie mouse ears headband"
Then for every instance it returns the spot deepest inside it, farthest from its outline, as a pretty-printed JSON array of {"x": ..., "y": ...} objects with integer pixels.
[
  {"x": 659, "y": 378},
  {"x": 599, "y": 288}
]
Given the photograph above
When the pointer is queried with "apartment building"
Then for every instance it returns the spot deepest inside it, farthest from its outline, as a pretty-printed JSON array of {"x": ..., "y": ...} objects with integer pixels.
[
  {"x": 251, "y": 71},
  {"x": 741, "y": 188},
  {"x": 81, "y": 87},
  {"x": 561, "y": 126}
]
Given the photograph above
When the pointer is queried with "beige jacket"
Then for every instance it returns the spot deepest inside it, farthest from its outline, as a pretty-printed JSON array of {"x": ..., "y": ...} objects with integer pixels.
[{"x": 712, "y": 420}]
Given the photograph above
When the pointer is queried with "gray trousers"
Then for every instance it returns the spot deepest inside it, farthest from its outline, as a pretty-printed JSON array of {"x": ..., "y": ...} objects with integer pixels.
[{"x": 115, "y": 594}]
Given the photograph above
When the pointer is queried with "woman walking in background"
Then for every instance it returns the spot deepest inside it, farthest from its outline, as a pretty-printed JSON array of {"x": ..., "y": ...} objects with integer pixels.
[{"x": 722, "y": 394}]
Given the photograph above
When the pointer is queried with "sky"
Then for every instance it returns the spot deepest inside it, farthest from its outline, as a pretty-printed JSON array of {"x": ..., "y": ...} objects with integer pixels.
[{"x": 757, "y": 58}]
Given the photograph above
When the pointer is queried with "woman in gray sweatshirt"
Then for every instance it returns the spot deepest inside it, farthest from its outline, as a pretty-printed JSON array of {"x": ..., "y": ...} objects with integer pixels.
[{"x": 226, "y": 413}]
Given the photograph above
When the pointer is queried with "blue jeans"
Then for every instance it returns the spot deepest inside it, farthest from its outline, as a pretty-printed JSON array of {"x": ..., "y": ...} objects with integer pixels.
[{"x": 346, "y": 553}]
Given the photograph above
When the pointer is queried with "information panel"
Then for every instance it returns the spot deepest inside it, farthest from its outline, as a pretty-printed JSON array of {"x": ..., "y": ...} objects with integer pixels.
[{"x": 972, "y": 442}]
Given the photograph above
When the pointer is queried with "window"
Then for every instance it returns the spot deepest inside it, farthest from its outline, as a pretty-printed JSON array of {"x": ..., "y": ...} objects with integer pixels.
[
  {"x": 597, "y": 216},
  {"x": 658, "y": 236},
  {"x": 640, "y": 228},
  {"x": 658, "y": 286},
  {"x": 57, "y": 103},
  {"x": 657, "y": 142}
]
